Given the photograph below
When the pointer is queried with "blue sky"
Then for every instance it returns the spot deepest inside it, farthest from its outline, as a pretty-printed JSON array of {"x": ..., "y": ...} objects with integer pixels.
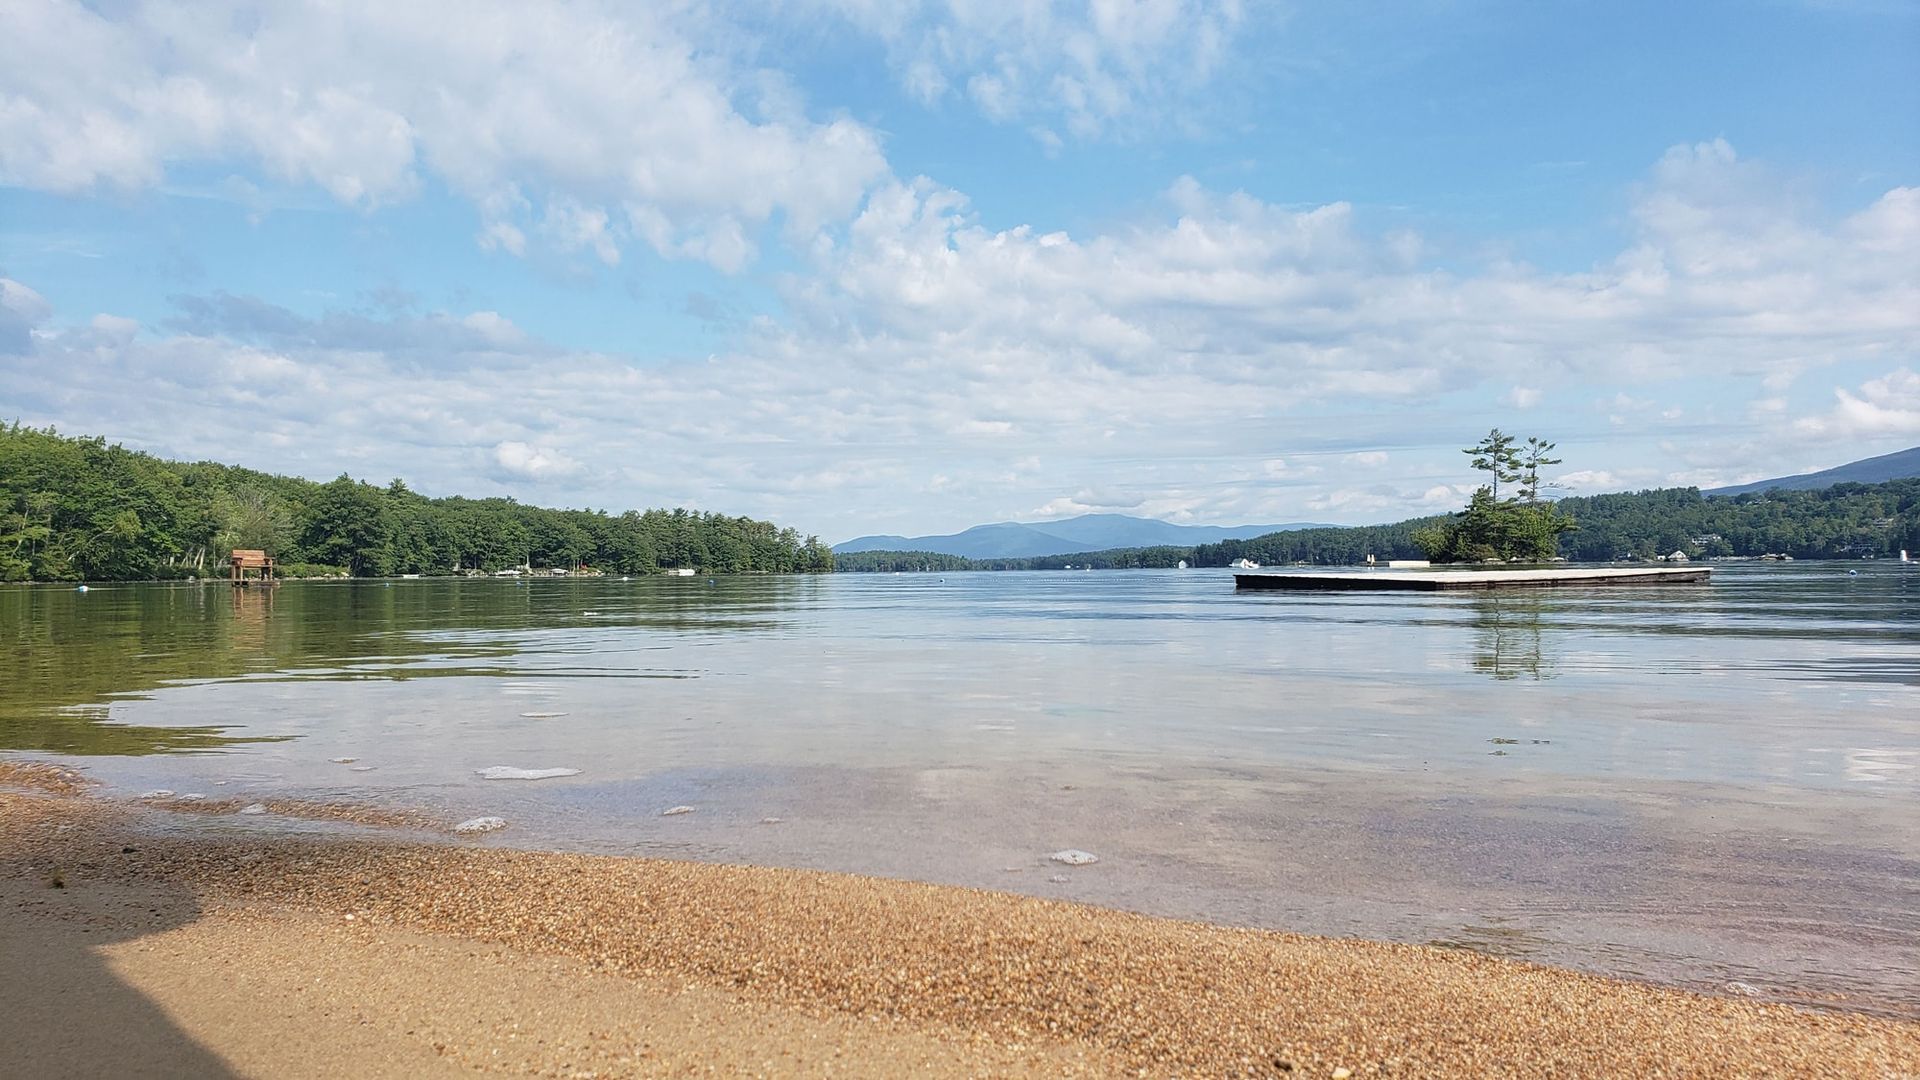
[{"x": 905, "y": 267}]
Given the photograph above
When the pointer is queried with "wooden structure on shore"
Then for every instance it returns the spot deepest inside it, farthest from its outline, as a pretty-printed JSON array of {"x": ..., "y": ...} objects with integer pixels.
[
  {"x": 1448, "y": 580},
  {"x": 245, "y": 561}
]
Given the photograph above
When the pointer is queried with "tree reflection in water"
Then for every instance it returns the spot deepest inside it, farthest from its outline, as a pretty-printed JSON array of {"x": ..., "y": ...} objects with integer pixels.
[{"x": 1507, "y": 640}]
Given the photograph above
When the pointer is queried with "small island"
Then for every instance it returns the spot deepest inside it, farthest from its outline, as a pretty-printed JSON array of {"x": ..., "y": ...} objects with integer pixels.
[{"x": 1524, "y": 528}]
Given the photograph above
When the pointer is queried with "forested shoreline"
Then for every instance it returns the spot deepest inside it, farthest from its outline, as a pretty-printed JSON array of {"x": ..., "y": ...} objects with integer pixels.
[
  {"x": 1845, "y": 521},
  {"x": 82, "y": 509},
  {"x": 79, "y": 508}
]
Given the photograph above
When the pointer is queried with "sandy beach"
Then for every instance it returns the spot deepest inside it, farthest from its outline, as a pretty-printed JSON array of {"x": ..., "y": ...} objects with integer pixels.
[{"x": 129, "y": 947}]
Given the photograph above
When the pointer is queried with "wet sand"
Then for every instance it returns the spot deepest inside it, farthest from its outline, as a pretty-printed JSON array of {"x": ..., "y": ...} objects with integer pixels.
[{"x": 240, "y": 954}]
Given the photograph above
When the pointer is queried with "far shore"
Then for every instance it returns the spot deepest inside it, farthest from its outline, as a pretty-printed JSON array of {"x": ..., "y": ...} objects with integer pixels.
[{"x": 210, "y": 954}]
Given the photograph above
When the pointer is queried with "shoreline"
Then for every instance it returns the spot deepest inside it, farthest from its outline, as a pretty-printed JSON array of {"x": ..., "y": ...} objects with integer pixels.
[{"x": 954, "y": 972}]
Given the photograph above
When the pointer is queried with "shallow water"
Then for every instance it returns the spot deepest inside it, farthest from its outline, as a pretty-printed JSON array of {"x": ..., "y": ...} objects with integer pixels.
[{"x": 1694, "y": 784}]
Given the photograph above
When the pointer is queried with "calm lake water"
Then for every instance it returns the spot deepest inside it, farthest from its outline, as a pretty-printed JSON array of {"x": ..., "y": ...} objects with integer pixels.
[{"x": 1694, "y": 784}]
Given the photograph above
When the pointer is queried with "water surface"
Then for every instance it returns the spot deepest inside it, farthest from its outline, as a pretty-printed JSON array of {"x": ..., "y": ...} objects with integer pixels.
[{"x": 1694, "y": 784}]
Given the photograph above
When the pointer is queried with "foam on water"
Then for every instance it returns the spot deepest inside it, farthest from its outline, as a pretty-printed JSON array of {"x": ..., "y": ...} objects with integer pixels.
[
  {"x": 480, "y": 825},
  {"x": 509, "y": 772}
]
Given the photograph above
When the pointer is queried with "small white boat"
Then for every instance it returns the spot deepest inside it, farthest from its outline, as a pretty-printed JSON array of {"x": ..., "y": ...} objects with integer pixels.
[{"x": 1244, "y": 564}]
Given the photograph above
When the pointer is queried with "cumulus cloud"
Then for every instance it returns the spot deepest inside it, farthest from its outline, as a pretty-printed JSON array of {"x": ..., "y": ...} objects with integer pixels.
[
  {"x": 1889, "y": 405},
  {"x": 21, "y": 309},
  {"x": 1589, "y": 481},
  {"x": 1083, "y": 66},
  {"x": 1188, "y": 364},
  {"x": 1522, "y": 397},
  {"x": 589, "y": 126},
  {"x": 534, "y": 462}
]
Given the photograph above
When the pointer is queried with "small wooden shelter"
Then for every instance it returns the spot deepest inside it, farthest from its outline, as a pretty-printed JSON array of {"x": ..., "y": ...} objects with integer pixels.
[{"x": 247, "y": 561}]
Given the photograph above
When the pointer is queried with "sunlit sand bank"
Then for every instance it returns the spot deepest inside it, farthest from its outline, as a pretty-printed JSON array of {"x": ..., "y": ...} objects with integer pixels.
[{"x": 316, "y": 955}]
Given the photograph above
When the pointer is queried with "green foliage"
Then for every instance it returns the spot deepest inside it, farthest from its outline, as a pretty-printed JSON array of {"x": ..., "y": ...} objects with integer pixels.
[
  {"x": 1845, "y": 521},
  {"x": 78, "y": 508},
  {"x": 1495, "y": 455},
  {"x": 1533, "y": 458},
  {"x": 1489, "y": 530},
  {"x": 1492, "y": 529}
]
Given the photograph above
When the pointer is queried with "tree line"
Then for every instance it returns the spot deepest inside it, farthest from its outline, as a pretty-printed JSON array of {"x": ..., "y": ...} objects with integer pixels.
[
  {"x": 1845, "y": 521},
  {"x": 75, "y": 509}
]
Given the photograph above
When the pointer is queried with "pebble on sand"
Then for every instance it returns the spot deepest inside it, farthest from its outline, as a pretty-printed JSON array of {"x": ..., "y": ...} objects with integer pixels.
[
  {"x": 480, "y": 825},
  {"x": 508, "y": 772},
  {"x": 1074, "y": 857},
  {"x": 254, "y": 808},
  {"x": 671, "y": 811}
]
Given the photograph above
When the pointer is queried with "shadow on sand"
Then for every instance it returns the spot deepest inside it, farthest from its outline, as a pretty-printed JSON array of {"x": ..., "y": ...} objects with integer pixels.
[{"x": 64, "y": 1010}]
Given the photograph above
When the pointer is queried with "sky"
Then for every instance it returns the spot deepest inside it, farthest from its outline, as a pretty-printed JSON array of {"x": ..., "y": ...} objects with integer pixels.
[{"x": 906, "y": 266}]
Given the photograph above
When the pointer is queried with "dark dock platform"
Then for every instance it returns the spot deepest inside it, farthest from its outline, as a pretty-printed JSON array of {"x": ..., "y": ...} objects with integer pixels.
[{"x": 1446, "y": 580}]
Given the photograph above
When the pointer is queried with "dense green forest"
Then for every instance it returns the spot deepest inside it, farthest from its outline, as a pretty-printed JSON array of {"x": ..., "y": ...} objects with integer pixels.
[
  {"x": 1845, "y": 521},
  {"x": 81, "y": 509}
]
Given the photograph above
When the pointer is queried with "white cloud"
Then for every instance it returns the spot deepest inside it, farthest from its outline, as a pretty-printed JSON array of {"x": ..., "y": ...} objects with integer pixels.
[
  {"x": 1889, "y": 405},
  {"x": 1206, "y": 357},
  {"x": 116, "y": 329},
  {"x": 21, "y": 309},
  {"x": 1368, "y": 457},
  {"x": 534, "y": 462},
  {"x": 1098, "y": 68},
  {"x": 590, "y": 125},
  {"x": 1090, "y": 502},
  {"x": 1445, "y": 496},
  {"x": 1522, "y": 397},
  {"x": 1589, "y": 481}
]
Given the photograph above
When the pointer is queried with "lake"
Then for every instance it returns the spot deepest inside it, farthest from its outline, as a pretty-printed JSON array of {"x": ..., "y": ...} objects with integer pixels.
[{"x": 1711, "y": 786}]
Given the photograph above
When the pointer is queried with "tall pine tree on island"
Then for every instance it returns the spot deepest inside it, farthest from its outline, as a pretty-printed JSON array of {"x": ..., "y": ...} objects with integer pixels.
[{"x": 1491, "y": 529}]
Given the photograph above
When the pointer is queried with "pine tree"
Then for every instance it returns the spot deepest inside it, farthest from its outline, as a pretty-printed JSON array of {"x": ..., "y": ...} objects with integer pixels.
[
  {"x": 1532, "y": 460},
  {"x": 1495, "y": 455}
]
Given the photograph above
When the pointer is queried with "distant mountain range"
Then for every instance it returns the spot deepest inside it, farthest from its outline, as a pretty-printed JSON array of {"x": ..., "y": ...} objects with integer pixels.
[
  {"x": 1088, "y": 532},
  {"x": 1898, "y": 465}
]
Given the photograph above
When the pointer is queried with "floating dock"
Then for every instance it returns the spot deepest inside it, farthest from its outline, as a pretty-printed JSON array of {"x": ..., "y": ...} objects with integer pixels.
[{"x": 1441, "y": 580}]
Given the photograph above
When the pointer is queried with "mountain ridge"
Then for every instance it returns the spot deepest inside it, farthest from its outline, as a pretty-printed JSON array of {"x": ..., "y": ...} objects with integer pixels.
[
  {"x": 1899, "y": 465},
  {"x": 1067, "y": 536}
]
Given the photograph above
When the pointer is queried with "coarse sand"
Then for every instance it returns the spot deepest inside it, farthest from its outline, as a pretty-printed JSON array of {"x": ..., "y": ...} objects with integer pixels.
[{"x": 131, "y": 950}]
